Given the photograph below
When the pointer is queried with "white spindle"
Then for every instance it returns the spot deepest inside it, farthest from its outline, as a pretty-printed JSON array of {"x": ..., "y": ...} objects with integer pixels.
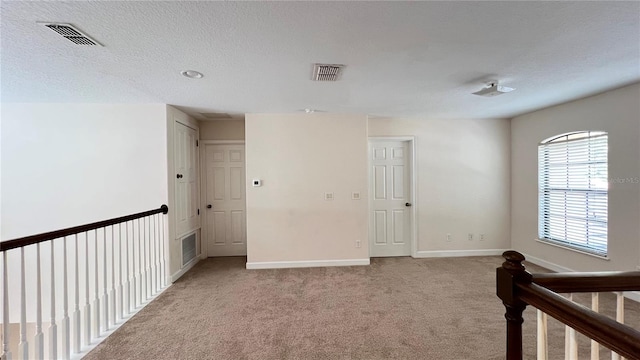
[
  {"x": 66, "y": 333},
  {"x": 53, "y": 330},
  {"x": 6, "y": 353},
  {"x": 38, "y": 346},
  {"x": 162, "y": 254},
  {"x": 143, "y": 263},
  {"x": 134, "y": 288},
  {"x": 158, "y": 244},
  {"x": 77, "y": 345},
  {"x": 136, "y": 276},
  {"x": 87, "y": 304},
  {"x": 570, "y": 341},
  {"x": 619, "y": 318},
  {"x": 595, "y": 347},
  {"x": 105, "y": 295},
  {"x": 148, "y": 260},
  {"x": 543, "y": 347},
  {"x": 155, "y": 261},
  {"x": 112, "y": 292},
  {"x": 139, "y": 271},
  {"x": 96, "y": 297},
  {"x": 23, "y": 347},
  {"x": 120, "y": 289},
  {"x": 127, "y": 284}
]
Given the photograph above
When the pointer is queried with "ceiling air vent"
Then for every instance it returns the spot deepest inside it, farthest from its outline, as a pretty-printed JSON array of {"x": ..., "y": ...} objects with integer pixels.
[
  {"x": 326, "y": 72},
  {"x": 72, "y": 34}
]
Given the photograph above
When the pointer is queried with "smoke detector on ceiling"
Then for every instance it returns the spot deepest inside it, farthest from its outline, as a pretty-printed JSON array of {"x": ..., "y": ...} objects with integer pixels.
[
  {"x": 326, "y": 72},
  {"x": 71, "y": 33},
  {"x": 493, "y": 89}
]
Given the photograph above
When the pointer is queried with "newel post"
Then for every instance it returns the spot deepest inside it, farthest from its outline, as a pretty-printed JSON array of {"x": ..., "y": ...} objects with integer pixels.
[{"x": 511, "y": 273}]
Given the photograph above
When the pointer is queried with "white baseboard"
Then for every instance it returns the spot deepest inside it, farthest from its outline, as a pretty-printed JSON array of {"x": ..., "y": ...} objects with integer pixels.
[
  {"x": 185, "y": 268},
  {"x": 305, "y": 264},
  {"x": 631, "y": 295},
  {"x": 459, "y": 253}
]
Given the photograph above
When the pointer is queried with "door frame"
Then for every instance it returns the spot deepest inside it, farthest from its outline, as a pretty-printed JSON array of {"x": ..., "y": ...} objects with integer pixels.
[
  {"x": 413, "y": 178},
  {"x": 203, "y": 182},
  {"x": 173, "y": 241}
]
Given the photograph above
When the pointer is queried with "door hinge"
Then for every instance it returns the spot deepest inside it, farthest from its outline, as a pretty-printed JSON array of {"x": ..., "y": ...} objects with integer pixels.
[
  {"x": 197, "y": 143},
  {"x": 198, "y": 211}
]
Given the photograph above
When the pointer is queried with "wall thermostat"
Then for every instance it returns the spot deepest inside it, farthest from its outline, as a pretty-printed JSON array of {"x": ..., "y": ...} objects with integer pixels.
[{"x": 257, "y": 182}]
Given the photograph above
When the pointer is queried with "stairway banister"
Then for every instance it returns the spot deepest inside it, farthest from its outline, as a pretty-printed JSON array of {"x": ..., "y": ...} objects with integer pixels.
[
  {"x": 590, "y": 281},
  {"x": 620, "y": 338},
  {"x": 34, "y": 239},
  {"x": 517, "y": 288}
]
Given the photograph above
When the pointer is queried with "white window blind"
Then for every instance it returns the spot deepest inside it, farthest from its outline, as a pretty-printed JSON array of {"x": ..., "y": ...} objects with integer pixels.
[{"x": 573, "y": 191}]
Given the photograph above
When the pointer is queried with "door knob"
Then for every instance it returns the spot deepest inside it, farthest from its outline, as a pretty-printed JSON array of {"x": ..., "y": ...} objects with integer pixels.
[
  {"x": 209, "y": 206},
  {"x": 407, "y": 204}
]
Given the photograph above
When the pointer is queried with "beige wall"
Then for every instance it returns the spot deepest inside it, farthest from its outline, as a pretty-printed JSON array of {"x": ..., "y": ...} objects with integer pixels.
[
  {"x": 618, "y": 113},
  {"x": 222, "y": 130},
  {"x": 299, "y": 157},
  {"x": 69, "y": 164},
  {"x": 462, "y": 180}
]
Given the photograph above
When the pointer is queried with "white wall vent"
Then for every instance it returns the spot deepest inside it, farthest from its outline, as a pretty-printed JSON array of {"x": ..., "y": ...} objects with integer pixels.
[
  {"x": 326, "y": 72},
  {"x": 72, "y": 34},
  {"x": 189, "y": 249}
]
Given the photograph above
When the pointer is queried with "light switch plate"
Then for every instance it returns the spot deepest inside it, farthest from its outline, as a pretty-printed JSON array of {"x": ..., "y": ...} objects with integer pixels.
[
  {"x": 355, "y": 196},
  {"x": 328, "y": 196}
]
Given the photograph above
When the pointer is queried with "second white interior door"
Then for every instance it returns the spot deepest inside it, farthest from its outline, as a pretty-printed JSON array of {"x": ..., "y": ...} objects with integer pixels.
[
  {"x": 390, "y": 205},
  {"x": 225, "y": 207}
]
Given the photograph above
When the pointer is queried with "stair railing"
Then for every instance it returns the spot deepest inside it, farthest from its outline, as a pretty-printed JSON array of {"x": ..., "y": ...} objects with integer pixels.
[
  {"x": 517, "y": 288},
  {"x": 88, "y": 279}
]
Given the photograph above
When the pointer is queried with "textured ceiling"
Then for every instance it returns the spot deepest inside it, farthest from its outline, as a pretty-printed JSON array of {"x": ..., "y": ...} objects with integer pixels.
[{"x": 403, "y": 59}]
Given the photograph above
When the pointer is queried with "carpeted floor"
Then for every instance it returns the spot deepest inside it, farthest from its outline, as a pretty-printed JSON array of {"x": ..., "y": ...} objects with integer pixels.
[{"x": 396, "y": 308}]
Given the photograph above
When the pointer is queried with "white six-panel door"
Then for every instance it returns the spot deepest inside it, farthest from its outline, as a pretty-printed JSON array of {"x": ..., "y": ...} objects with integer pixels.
[
  {"x": 186, "y": 160},
  {"x": 225, "y": 212},
  {"x": 390, "y": 204}
]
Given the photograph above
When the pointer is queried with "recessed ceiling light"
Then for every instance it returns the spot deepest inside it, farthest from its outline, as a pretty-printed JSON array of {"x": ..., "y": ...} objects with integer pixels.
[
  {"x": 309, "y": 111},
  {"x": 192, "y": 74}
]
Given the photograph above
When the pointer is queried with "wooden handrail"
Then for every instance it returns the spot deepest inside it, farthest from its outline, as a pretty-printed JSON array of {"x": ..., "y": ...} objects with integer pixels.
[
  {"x": 622, "y": 339},
  {"x": 34, "y": 239},
  {"x": 590, "y": 282},
  {"x": 517, "y": 288}
]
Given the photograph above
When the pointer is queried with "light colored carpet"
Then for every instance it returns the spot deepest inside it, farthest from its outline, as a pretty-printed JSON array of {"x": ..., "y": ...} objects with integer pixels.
[{"x": 397, "y": 308}]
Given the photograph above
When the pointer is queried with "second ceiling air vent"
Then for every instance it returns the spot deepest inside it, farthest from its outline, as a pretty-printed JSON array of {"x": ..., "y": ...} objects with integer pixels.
[
  {"x": 72, "y": 34},
  {"x": 326, "y": 72}
]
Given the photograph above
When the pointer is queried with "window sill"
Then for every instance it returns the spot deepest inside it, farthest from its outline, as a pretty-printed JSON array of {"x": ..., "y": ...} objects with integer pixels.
[{"x": 547, "y": 242}]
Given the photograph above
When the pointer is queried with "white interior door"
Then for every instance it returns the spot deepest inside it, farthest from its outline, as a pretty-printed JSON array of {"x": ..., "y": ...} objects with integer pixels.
[
  {"x": 186, "y": 163},
  {"x": 225, "y": 200},
  {"x": 390, "y": 193}
]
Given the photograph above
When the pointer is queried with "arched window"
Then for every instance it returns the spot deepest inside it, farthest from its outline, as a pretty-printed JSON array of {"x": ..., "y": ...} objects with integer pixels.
[{"x": 573, "y": 191}]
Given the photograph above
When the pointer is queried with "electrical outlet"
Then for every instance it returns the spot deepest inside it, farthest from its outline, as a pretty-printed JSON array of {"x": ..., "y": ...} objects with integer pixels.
[
  {"x": 481, "y": 237},
  {"x": 328, "y": 196},
  {"x": 470, "y": 237},
  {"x": 358, "y": 244},
  {"x": 448, "y": 237}
]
